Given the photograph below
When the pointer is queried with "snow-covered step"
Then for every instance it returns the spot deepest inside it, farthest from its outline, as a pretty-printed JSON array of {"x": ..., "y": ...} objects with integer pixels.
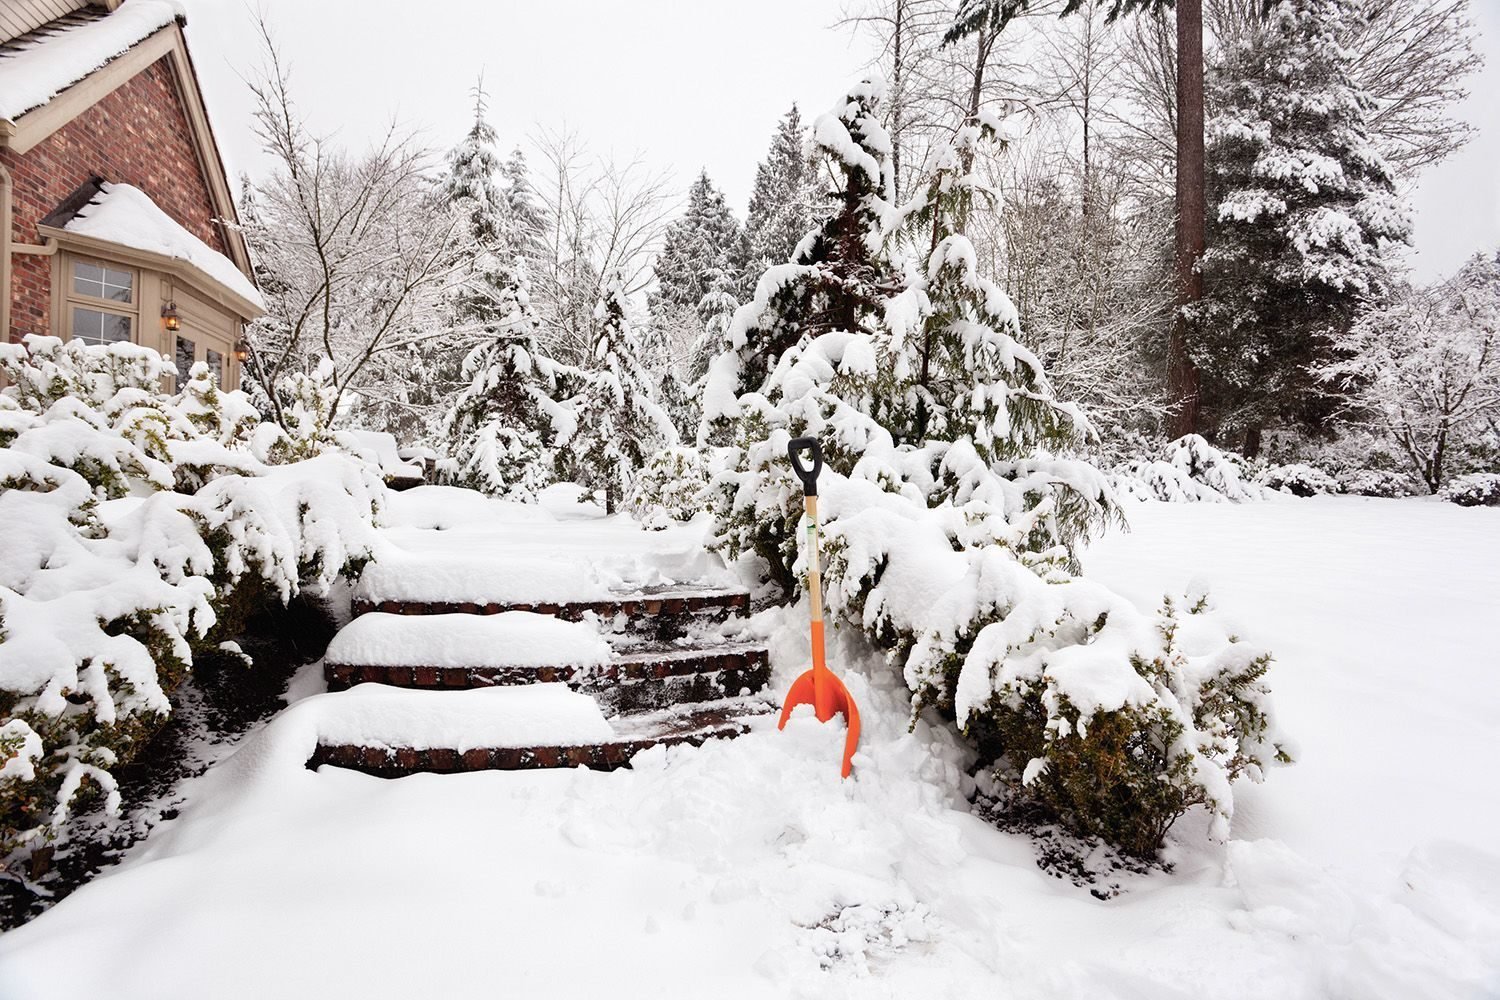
[
  {"x": 459, "y": 651},
  {"x": 391, "y": 719},
  {"x": 653, "y": 606},
  {"x": 628, "y": 736}
]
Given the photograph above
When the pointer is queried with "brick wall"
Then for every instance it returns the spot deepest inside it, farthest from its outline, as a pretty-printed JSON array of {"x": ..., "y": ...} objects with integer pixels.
[{"x": 137, "y": 135}]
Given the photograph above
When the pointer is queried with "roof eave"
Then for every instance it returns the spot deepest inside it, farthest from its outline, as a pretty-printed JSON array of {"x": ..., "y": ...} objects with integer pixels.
[{"x": 195, "y": 276}]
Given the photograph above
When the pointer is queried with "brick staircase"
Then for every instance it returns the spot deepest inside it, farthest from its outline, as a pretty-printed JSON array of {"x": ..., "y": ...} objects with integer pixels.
[{"x": 664, "y": 673}]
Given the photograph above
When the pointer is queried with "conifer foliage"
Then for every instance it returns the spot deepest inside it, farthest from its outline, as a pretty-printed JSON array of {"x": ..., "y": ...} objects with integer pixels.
[
  {"x": 783, "y": 200},
  {"x": 1302, "y": 207},
  {"x": 620, "y": 422},
  {"x": 511, "y": 416}
]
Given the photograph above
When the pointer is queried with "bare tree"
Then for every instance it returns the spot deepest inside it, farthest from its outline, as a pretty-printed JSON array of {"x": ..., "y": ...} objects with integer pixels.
[
  {"x": 1425, "y": 368},
  {"x": 353, "y": 252},
  {"x": 601, "y": 218}
]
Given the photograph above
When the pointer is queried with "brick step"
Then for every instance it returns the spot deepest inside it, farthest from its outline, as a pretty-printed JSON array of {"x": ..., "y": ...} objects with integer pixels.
[
  {"x": 632, "y": 681},
  {"x": 663, "y": 609},
  {"x": 692, "y": 727}
]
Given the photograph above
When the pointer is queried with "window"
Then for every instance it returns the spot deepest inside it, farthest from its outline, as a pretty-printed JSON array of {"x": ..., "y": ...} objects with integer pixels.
[
  {"x": 215, "y": 364},
  {"x": 101, "y": 305},
  {"x": 186, "y": 350}
]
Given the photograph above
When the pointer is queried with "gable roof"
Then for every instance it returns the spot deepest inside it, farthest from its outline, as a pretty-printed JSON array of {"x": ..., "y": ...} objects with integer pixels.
[
  {"x": 52, "y": 73},
  {"x": 17, "y": 17},
  {"x": 38, "y": 65}
]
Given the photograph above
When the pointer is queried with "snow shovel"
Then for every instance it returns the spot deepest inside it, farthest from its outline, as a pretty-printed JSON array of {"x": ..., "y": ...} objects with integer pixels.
[{"x": 818, "y": 687}]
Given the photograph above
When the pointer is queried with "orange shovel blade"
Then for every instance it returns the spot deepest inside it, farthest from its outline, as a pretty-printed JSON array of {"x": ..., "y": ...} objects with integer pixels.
[{"x": 835, "y": 700}]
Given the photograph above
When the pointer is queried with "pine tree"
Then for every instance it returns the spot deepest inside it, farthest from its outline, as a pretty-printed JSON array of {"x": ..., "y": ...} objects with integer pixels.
[
  {"x": 523, "y": 206},
  {"x": 695, "y": 247},
  {"x": 783, "y": 200},
  {"x": 472, "y": 179},
  {"x": 698, "y": 252},
  {"x": 1302, "y": 210},
  {"x": 509, "y": 420},
  {"x": 883, "y": 339},
  {"x": 832, "y": 283},
  {"x": 620, "y": 423}
]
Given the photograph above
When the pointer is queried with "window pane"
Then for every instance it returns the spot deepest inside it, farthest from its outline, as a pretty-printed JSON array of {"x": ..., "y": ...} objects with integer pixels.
[
  {"x": 101, "y": 282},
  {"x": 95, "y": 327},
  {"x": 117, "y": 284},
  {"x": 88, "y": 279},
  {"x": 216, "y": 365},
  {"x": 186, "y": 350}
]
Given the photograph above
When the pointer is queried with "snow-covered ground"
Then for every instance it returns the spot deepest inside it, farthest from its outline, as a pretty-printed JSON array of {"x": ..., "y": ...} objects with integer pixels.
[{"x": 747, "y": 869}]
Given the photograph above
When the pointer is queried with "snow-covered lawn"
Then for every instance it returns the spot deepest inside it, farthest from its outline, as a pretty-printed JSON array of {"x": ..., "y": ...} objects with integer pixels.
[{"x": 747, "y": 869}]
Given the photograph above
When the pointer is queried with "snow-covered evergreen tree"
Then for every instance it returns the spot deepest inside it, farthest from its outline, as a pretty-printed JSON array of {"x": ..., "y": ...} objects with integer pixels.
[
  {"x": 783, "y": 200},
  {"x": 699, "y": 250},
  {"x": 702, "y": 243},
  {"x": 472, "y": 181},
  {"x": 883, "y": 338},
  {"x": 511, "y": 417},
  {"x": 620, "y": 423},
  {"x": 1302, "y": 208},
  {"x": 523, "y": 207}
]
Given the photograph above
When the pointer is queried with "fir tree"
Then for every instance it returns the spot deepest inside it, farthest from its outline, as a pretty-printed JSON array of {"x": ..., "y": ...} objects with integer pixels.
[
  {"x": 509, "y": 419},
  {"x": 832, "y": 283},
  {"x": 783, "y": 200},
  {"x": 700, "y": 244},
  {"x": 620, "y": 423},
  {"x": 698, "y": 252},
  {"x": 1302, "y": 209},
  {"x": 524, "y": 211},
  {"x": 472, "y": 179}
]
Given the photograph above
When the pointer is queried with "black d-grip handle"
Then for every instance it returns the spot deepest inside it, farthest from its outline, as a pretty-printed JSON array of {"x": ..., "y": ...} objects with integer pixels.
[{"x": 809, "y": 476}]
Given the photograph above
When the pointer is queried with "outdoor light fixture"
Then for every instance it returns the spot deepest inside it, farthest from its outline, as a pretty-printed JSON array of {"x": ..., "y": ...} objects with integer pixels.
[
  {"x": 241, "y": 351},
  {"x": 170, "y": 318}
]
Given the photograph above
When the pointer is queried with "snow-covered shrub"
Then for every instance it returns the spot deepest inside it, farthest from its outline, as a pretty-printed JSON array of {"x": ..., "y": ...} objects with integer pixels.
[
  {"x": 1299, "y": 479},
  {"x": 673, "y": 486},
  {"x": 307, "y": 412},
  {"x": 1377, "y": 483},
  {"x": 1477, "y": 489},
  {"x": 1188, "y": 470},
  {"x": 136, "y": 528},
  {"x": 951, "y": 525}
]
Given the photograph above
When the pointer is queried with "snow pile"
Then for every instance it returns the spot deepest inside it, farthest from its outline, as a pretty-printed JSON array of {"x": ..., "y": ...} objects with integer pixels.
[
  {"x": 1189, "y": 470},
  {"x": 130, "y": 523},
  {"x": 511, "y": 639},
  {"x": 750, "y": 870},
  {"x": 397, "y": 576},
  {"x": 123, "y": 214},
  {"x": 379, "y": 448},
  {"x": 34, "y": 75}
]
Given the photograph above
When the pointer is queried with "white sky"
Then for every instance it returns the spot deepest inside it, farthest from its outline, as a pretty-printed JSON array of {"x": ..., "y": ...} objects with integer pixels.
[{"x": 683, "y": 84}]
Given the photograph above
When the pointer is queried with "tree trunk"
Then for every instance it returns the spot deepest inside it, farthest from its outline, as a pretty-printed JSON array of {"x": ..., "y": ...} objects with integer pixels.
[
  {"x": 1252, "y": 441},
  {"x": 1182, "y": 376}
]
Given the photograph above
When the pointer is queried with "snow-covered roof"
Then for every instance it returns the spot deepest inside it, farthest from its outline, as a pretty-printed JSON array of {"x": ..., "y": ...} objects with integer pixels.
[
  {"x": 123, "y": 214},
  {"x": 41, "y": 64}
]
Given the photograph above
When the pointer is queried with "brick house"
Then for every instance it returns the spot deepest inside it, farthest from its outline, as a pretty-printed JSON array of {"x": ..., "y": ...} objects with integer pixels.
[{"x": 116, "y": 219}]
